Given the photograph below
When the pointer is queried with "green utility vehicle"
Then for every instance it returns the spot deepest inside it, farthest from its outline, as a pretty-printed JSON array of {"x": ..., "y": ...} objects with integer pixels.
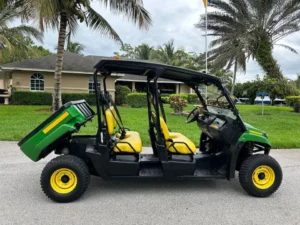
[{"x": 226, "y": 143}]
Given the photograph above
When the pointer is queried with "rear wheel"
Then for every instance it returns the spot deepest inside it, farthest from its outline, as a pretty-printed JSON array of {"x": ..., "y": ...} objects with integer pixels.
[
  {"x": 260, "y": 175},
  {"x": 65, "y": 178}
]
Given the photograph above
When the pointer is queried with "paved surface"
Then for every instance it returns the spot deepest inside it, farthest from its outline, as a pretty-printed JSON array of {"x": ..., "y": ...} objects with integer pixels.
[{"x": 145, "y": 201}]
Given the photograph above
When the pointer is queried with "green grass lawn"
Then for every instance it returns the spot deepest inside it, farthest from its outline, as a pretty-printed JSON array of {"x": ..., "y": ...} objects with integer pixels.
[{"x": 280, "y": 123}]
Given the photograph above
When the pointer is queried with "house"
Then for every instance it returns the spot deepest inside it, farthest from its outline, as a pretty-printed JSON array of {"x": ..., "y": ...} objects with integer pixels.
[{"x": 37, "y": 75}]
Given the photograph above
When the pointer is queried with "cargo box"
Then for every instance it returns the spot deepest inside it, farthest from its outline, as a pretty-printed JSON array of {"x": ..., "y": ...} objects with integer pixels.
[{"x": 45, "y": 138}]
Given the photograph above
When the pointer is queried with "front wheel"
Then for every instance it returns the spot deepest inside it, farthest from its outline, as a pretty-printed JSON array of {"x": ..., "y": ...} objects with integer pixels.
[
  {"x": 65, "y": 178},
  {"x": 260, "y": 175}
]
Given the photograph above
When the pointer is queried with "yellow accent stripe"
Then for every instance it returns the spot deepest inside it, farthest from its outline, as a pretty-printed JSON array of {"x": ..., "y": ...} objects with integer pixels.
[
  {"x": 214, "y": 126},
  {"x": 55, "y": 122},
  {"x": 255, "y": 132}
]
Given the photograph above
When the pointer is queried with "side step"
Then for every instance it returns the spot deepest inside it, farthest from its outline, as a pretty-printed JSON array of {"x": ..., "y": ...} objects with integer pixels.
[
  {"x": 147, "y": 170},
  {"x": 208, "y": 173}
]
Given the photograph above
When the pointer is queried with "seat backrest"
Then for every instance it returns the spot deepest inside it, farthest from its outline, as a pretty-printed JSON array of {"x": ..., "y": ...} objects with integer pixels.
[
  {"x": 110, "y": 115},
  {"x": 163, "y": 126}
]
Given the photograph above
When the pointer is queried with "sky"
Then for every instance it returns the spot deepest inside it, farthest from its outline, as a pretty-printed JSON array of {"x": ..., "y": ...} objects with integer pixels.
[{"x": 172, "y": 19}]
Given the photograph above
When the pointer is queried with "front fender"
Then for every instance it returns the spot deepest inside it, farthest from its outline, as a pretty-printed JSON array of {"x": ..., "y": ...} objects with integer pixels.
[
  {"x": 235, "y": 149},
  {"x": 253, "y": 136}
]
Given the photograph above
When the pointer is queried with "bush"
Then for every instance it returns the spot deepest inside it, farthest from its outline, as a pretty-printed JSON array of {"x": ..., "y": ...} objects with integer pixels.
[
  {"x": 45, "y": 98},
  {"x": 182, "y": 96},
  {"x": 137, "y": 100},
  {"x": 121, "y": 94},
  {"x": 192, "y": 98},
  {"x": 177, "y": 103},
  {"x": 294, "y": 101},
  {"x": 165, "y": 99},
  {"x": 31, "y": 98}
]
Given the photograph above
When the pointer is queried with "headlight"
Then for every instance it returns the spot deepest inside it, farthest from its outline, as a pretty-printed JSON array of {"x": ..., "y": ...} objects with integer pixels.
[{"x": 266, "y": 136}]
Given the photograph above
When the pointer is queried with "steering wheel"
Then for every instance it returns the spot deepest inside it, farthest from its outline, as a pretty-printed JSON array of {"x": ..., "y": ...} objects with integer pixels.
[{"x": 195, "y": 113}]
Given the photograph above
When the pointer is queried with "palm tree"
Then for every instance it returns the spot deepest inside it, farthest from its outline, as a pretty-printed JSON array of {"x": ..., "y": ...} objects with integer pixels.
[
  {"x": 66, "y": 14},
  {"x": 75, "y": 47},
  {"x": 143, "y": 52},
  {"x": 257, "y": 25},
  {"x": 228, "y": 52},
  {"x": 11, "y": 38},
  {"x": 169, "y": 55}
]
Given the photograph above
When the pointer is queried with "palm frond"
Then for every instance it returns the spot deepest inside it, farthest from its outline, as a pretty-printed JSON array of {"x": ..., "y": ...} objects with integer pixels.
[
  {"x": 27, "y": 31},
  {"x": 97, "y": 22},
  {"x": 132, "y": 9},
  {"x": 288, "y": 48},
  {"x": 5, "y": 42}
]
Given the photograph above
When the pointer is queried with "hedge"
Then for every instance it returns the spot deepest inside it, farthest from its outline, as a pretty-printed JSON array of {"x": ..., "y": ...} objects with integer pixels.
[
  {"x": 192, "y": 98},
  {"x": 45, "y": 98},
  {"x": 137, "y": 100},
  {"x": 90, "y": 98},
  {"x": 294, "y": 101},
  {"x": 31, "y": 98},
  {"x": 121, "y": 94}
]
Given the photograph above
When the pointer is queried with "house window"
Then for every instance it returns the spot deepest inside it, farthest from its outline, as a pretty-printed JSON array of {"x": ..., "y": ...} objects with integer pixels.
[
  {"x": 92, "y": 85},
  {"x": 37, "y": 82}
]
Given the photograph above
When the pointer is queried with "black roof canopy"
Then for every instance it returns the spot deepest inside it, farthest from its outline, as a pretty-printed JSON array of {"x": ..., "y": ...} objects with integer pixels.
[{"x": 138, "y": 67}]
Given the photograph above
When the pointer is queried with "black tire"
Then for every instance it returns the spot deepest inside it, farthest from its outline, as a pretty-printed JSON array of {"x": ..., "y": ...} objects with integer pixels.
[
  {"x": 78, "y": 171},
  {"x": 249, "y": 180}
]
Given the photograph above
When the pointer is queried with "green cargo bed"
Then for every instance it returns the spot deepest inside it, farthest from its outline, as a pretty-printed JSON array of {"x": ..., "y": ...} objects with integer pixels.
[{"x": 68, "y": 119}]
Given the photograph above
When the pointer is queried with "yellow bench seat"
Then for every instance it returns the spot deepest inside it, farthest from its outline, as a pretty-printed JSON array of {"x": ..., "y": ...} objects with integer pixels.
[
  {"x": 182, "y": 144},
  {"x": 132, "y": 143}
]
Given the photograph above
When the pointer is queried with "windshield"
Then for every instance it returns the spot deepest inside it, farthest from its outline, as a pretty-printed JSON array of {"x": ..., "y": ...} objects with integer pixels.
[{"x": 216, "y": 101}]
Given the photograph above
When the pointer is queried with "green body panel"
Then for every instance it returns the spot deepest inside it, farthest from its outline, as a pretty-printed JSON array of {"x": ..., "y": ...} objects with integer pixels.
[
  {"x": 39, "y": 141},
  {"x": 252, "y": 135}
]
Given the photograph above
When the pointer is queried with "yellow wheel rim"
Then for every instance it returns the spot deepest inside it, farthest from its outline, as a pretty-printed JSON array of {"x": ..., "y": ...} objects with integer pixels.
[
  {"x": 63, "y": 181},
  {"x": 263, "y": 177}
]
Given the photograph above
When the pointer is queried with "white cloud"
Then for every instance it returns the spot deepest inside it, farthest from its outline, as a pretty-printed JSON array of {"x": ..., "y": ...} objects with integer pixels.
[{"x": 172, "y": 19}]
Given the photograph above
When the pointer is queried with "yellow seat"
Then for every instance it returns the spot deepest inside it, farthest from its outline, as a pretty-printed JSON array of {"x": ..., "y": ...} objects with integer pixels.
[
  {"x": 131, "y": 143},
  {"x": 176, "y": 142}
]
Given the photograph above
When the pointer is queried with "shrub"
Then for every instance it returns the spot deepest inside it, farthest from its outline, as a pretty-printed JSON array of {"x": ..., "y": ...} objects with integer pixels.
[
  {"x": 177, "y": 103},
  {"x": 121, "y": 94},
  {"x": 294, "y": 101},
  {"x": 192, "y": 98},
  {"x": 165, "y": 99},
  {"x": 182, "y": 96},
  {"x": 45, "y": 98},
  {"x": 31, "y": 98},
  {"x": 137, "y": 100}
]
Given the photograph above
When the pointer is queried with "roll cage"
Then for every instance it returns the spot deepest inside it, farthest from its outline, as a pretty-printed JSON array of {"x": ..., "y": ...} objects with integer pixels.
[{"x": 153, "y": 71}]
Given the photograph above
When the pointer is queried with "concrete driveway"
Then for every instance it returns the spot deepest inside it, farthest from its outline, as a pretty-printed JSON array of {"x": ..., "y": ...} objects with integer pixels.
[{"x": 145, "y": 201}]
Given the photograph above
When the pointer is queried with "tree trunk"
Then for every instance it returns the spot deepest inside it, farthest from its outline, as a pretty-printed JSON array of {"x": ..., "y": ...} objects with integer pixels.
[
  {"x": 57, "y": 102},
  {"x": 234, "y": 77},
  {"x": 266, "y": 60}
]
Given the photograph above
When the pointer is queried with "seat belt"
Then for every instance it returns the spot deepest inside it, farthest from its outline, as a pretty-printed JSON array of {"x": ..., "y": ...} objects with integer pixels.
[
  {"x": 122, "y": 127},
  {"x": 162, "y": 107}
]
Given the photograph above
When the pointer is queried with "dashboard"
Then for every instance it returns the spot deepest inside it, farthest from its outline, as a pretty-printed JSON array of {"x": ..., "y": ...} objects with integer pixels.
[{"x": 218, "y": 127}]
